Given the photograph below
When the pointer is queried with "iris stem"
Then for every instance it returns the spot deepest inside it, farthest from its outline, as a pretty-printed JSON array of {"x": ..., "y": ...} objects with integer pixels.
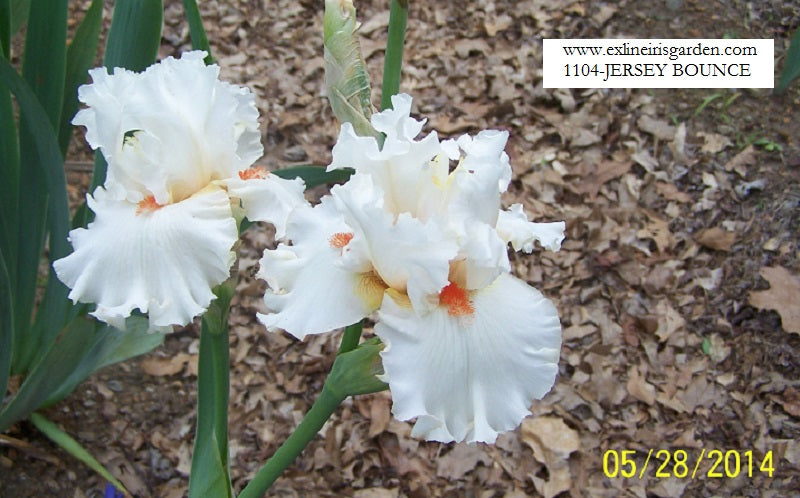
[
  {"x": 393, "y": 61},
  {"x": 320, "y": 412},
  {"x": 352, "y": 373},
  {"x": 330, "y": 397}
]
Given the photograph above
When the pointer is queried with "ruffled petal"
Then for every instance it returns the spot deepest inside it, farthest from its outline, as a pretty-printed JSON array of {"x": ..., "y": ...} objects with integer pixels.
[
  {"x": 267, "y": 197},
  {"x": 486, "y": 151},
  {"x": 395, "y": 167},
  {"x": 396, "y": 123},
  {"x": 485, "y": 256},
  {"x": 107, "y": 98},
  {"x": 310, "y": 290},
  {"x": 409, "y": 255},
  {"x": 470, "y": 369},
  {"x": 482, "y": 175},
  {"x": 513, "y": 226},
  {"x": 170, "y": 130},
  {"x": 162, "y": 260}
]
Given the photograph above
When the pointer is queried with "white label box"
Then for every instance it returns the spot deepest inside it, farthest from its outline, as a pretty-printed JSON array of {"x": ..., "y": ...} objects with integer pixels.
[{"x": 658, "y": 63}]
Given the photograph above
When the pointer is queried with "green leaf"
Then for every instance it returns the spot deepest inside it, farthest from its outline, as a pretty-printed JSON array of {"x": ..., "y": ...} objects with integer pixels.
[
  {"x": 706, "y": 101},
  {"x": 9, "y": 186},
  {"x": 196, "y": 30},
  {"x": 346, "y": 76},
  {"x": 210, "y": 478},
  {"x": 79, "y": 351},
  {"x": 9, "y": 149},
  {"x": 135, "y": 34},
  {"x": 5, "y": 28},
  {"x": 45, "y": 199},
  {"x": 110, "y": 346},
  {"x": 791, "y": 64},
  {"x": 19, "y": 14},
  {"x": 51, "y": 371},
  {"x": 210, "y": 475},
  {"x": 44, "y": 65},
  {"x": 6, "y": 327},
  {"x": 80, "y": 57},
  {"x": 45, "y": 173},
  {"x": 314, "y": 175},
  {"x": 68, "y": 444}
]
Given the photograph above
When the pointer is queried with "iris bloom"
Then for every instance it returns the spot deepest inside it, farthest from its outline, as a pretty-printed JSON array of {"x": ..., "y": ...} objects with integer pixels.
[
  {"x": 468, "y": 346},
  {"x": 179, "y": 145}
]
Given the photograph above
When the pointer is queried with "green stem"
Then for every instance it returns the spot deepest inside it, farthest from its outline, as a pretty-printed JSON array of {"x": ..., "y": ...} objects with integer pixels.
[
  {"x": 196, "y": 29},
  {"x": 353, "y": 372},
  {"x": 210, "y": 475},
  {"x": 352, "y": 334},
  {"x": 394, "y": 52},
  {"x": 323, "y": 408}
]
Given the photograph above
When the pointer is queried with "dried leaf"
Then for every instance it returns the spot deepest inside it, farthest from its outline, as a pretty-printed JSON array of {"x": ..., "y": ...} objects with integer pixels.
[
  {"x": 380, "y": 414},
  {"x": 604, "y": 13},
  {"x": 656, "y": 127},
  {"x": 552, "y": 435},
  {"x": 790, "y": 400},
  {"x": 742, "y": 160},
  {"x": 495, "y": 24},
  {"x": 160, "y": 366},
  {"x": 595, "y": 176},
  {"x": 670, "y": 192},
  {"x": 669, "y": 320},
  {"x": 376, "y": 493},
  {"x": 782, "y": 296},
  {"x": 461, "y": 460},
  {"x": 716, "y": 238},
  {"x": 658, "y": 230},
  {"x": 714, "y": 142},
  {"x": 639, "y": 388},
  {"x": 552, "y": 441}
]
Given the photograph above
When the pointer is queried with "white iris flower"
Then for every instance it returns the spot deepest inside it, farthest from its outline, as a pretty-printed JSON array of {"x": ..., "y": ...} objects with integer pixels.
[
  {"x": 468, "y": 346},
  {"x": 179, "y": 145}
]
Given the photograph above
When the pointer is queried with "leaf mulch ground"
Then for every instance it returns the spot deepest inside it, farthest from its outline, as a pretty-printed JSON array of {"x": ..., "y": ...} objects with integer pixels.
[{"x": 677, "y": 284}]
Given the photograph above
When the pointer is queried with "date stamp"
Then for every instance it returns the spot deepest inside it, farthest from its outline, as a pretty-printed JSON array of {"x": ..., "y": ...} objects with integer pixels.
[{"x": 713, "y": 464}]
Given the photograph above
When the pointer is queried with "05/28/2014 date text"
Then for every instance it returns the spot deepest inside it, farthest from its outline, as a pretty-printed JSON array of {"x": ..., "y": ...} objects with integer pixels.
[{"x": 714, "y": 464}]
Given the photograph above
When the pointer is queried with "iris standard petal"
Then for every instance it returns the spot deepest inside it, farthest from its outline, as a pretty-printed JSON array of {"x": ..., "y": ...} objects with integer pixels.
[
  {"x": 162, "y": 260},
  {"x": 171, "y": 130},
  {"x": 107, "y": 98},
  {"x": 470, "y": 369},
  {"x": 267, "y": 197},
  {"x": 396, "y": 167},
  {"x": 409, "y": 256},
  {"x": 513, "y": 226},
  {"x": 486, "y": 150}
]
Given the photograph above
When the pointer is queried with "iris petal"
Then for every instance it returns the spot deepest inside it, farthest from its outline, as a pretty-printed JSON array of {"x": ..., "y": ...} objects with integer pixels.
[
  {"x": 311, "y": 291},
  {"x": 471, "y": 376},
  {"x": 161, "y": 260}
]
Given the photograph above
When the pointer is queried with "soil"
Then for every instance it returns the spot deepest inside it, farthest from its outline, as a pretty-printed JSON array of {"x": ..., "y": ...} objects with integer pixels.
[{"x": 682, "y": 208}]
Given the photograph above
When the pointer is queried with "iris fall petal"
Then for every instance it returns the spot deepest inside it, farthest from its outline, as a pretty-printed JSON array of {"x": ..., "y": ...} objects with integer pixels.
[
  {"x": 471, "y": 375},
  {"x": 164, "y": 262}
]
